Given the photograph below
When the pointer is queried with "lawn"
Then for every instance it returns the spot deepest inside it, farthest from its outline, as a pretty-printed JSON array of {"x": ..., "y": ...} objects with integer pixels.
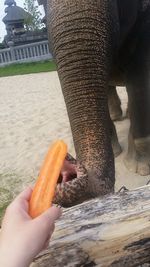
[{"x": 25, "y": 68}]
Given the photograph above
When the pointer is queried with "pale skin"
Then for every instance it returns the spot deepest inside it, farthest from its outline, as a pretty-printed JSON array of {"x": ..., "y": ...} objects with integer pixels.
[{"x": 21, "y": 237}]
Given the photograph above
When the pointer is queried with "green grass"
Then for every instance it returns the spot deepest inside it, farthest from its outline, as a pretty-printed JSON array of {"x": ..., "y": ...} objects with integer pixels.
[
  {"x": 26, "y": 68},
  {"x": 5, "y": 199},
  {"x": 11, "y": 184}
]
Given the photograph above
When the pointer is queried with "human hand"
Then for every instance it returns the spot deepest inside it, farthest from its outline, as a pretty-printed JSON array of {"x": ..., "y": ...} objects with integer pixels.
[{"x": 22, "y": 237}]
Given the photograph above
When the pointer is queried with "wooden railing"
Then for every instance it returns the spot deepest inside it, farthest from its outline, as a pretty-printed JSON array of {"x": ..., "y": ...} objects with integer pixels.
[{"x": 25, "y": 53}]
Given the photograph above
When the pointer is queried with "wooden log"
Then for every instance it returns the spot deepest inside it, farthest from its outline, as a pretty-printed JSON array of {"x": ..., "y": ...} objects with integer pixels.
[{"x": 112, "y": 231}]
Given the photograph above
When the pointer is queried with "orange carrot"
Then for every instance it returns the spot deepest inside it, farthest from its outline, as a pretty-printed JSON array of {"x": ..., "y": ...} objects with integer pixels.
[{"x": 43, "y": 192}]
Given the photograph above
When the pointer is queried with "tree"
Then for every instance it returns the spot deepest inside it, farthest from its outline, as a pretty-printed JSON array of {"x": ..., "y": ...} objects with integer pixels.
[{"x": 32, "y": 22}]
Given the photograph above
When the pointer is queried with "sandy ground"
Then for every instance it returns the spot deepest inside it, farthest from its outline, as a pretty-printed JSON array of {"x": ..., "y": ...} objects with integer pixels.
[{"x": 32, "y": 115}]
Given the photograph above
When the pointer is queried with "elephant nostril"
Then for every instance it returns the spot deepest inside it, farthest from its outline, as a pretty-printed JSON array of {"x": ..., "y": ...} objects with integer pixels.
[
  {"x": 66, "y": 177},
  {"x": 68, "y": 172},
  {"x": 72, "y": 177}
]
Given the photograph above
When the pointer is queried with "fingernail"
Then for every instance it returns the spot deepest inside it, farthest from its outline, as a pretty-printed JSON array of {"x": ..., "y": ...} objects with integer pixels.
[{"x": 57, "y": 206}]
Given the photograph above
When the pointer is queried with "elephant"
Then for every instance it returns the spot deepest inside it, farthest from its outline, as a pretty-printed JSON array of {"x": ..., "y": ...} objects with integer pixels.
[
  {"x": 93, "y": 42},
  {"x": 114, "y": 104}
]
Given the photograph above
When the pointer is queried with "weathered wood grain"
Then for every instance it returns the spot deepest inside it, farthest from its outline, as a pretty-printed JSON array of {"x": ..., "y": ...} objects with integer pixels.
[{"x": 113, "y": 231}]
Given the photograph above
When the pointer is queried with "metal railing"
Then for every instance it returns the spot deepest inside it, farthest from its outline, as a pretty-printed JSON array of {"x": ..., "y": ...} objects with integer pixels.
[{"x": 25, "y": 53}]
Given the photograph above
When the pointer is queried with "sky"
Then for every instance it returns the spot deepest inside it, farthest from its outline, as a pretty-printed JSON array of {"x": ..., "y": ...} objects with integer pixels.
[{"x": 2, "y": 14}]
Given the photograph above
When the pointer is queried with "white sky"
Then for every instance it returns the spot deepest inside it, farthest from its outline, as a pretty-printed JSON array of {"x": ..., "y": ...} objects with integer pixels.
[{"x": 2, "y": 14}]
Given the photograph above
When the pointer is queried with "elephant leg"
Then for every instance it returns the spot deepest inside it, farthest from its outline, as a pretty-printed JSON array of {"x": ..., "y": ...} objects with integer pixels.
[
  {"x": 138, "y": 157},
  {"x": 115, "y": 111},
  {"x": 138, "y": 87},
  {"x": 114, "y": 140},
  {"x": 114, "y": 104},
  {"x": 81, "y": 35},
  {"x": 127, "y": 112}
]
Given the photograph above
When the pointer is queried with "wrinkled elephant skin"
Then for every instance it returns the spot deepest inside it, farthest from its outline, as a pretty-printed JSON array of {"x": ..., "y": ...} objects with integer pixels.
[{"x": 91, "y": 39}]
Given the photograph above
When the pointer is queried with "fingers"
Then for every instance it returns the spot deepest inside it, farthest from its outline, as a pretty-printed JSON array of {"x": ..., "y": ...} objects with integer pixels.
[
  {"x": 45, "y": 223},
  {"x": 52, "y": 214},
  {"x": 47, "y": 219}
]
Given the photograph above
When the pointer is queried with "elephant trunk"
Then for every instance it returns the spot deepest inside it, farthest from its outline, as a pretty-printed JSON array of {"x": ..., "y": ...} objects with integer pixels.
[{"x": 81, "y": 35}]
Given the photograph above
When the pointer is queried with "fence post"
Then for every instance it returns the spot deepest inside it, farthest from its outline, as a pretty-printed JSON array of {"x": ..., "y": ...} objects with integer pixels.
[{"x": 12, "y": 52}]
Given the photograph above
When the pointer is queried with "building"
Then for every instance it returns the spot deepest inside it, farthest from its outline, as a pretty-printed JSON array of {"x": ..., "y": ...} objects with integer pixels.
[
  {"x": 15, "y": 18},
  {"x": 14, "y": 21}
]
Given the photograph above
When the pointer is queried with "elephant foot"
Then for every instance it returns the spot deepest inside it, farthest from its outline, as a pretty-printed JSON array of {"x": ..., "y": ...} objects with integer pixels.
[
  {"x": 138, "y": 157},
  {"x": 74, "y": 185}
]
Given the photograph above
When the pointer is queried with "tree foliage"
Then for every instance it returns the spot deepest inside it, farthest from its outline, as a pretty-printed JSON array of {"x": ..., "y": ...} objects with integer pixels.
[{"x": 32, "y": 22}]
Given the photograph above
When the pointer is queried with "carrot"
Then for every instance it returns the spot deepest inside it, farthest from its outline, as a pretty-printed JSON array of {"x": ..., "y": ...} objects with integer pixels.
[{"x": 43, "y": 192}]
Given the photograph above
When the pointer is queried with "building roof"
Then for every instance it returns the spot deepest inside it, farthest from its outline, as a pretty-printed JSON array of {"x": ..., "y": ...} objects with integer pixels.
[
  {"x": 9, "y": 2},
  {"x": 15, "y": 13}
]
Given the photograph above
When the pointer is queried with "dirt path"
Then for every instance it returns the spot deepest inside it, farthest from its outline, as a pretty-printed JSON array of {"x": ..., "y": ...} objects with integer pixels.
[{"x": 32, "y": 115}]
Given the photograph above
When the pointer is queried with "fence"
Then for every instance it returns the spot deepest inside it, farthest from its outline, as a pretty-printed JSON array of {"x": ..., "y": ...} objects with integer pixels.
[{"x": 25, "y": 53}]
